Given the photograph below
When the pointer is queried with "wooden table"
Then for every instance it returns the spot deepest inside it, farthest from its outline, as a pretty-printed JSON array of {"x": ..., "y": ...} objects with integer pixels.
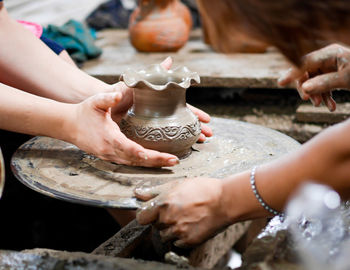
[{"x": 216, "y": 70}]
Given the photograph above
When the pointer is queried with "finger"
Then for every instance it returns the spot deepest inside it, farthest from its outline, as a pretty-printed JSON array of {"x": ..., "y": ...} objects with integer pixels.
[
  {"x": 149, "y": 213},
  {"x": 323, "y": 83},
  {"x": 316, "y": 100},
  {"x": 168, "y": 234},
  {"x": 329, "y": 101},
  {"x": 201, "y": 138},
  {"x": 299, "y": 82},
  {"x": 136, "y": 155},
  {"x": 159, "y": 159},
  {"x": 105, "y": 101},
  {"x": 323, "y": 60},
  {"x": 206, "y": 130},
  {"x": 289, "y": 76},
  {"x": 202, "y": 116},
  {"x": 167, "y": 63},
  {"x": 181, "y": 244},
  {"x": 147, "y": 193}
]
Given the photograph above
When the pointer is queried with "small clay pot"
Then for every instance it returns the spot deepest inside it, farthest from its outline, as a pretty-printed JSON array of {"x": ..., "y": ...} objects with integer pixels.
[
  {"x": 159, "y": 26},
  {"x": 2, "y": 173},
  {"x": 159, "y": 118}
]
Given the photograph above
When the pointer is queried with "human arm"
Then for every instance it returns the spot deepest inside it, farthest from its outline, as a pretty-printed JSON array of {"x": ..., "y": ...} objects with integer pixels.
[
  {"x": 196, "y": 209},
  {"x": 322, "y": 71},
  {"x": 88, "y": 125},
  {"x": 27, "y": 64}
]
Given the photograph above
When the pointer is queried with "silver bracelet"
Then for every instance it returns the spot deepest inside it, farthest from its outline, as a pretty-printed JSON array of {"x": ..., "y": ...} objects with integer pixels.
[{"x": 257, "y": 195}]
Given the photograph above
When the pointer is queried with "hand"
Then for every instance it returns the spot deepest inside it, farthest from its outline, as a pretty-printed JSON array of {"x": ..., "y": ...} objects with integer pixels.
[
  {"x": 123, "y": 106},
  {"x": 322, "y": 72},
  {"x": 93, "y": 131},
  {"x": 191, "y": 211}
]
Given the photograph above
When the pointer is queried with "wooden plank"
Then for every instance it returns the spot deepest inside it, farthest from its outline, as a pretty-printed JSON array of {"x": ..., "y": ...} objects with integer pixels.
[
  {"x": 216, "y": 70},
  {"x": 309, "y": 114},
  {"x": 206, "y": 255},
  {"x": 209, "y": 253},
  {"x": 123, "y": 243}
]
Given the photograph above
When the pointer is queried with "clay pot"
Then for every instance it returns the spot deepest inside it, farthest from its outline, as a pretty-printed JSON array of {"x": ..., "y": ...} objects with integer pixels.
[
  {"x": 159, "y": 118},
  {"x": 2, "y": 173},
  {"x": 159, "y": 26}
]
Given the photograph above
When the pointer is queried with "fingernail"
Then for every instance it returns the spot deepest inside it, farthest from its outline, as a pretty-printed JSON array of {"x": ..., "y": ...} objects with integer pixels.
[
  {"x": 142, "y": 155},
  {"x": 168, "y": 58},
  {"x": 173, "y": 161}
]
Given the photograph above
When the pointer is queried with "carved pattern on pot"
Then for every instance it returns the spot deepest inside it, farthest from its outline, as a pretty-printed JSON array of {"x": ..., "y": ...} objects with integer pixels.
[{"x": 168, "y": 133}]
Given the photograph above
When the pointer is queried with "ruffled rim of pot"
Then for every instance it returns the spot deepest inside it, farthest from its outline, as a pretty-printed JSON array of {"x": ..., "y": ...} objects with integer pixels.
[{"x": 158, "y": 78}]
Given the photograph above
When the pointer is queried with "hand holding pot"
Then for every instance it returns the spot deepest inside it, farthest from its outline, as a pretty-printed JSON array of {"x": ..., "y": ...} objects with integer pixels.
[
  {"x": 322, "y": 71},
  {"x": 95, "y": 132}
]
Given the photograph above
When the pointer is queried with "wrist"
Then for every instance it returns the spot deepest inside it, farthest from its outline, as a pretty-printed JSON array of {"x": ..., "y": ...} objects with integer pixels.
[
  {"x": 239, "y": 200},
  {"x": 62, "y": 125}
]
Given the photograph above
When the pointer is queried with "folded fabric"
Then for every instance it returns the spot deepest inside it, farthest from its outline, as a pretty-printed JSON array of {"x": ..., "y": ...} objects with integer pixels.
[
  {"x": 76, "y": 38},
  {"x": 112, "y": 14}
]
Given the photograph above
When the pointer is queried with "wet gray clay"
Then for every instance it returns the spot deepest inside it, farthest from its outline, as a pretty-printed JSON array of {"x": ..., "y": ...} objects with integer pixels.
[{"x": 159, "y": 118}]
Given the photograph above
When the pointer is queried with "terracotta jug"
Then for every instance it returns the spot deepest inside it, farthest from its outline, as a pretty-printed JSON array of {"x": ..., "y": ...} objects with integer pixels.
[
  {"x": 159, "y": 25},
  {"x": 159, "y": 118}
]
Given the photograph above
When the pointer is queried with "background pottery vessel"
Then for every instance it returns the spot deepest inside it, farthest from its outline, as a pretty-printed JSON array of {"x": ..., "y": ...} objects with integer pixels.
[
  {"x": 159, "y": 118},
  {"x": 160, "y": 25}
]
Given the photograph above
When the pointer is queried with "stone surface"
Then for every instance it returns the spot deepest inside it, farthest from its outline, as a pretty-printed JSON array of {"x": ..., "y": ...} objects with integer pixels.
[
  {"x": 309, "y": 114},
  {"x": 44, "y": 259},
  {"x": 61, "y": 170},
  {"x": 215, "y": 70}
]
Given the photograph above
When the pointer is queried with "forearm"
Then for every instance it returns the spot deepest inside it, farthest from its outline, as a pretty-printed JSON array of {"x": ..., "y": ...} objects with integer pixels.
[
  {"x": 29, "y": 114},
  {"x": 324, "y": 159},
  {"x": 27, "y": 64}
]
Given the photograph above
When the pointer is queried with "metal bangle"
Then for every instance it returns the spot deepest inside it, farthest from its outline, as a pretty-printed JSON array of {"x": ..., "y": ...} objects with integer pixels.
[{"x": 258, "y": 197}]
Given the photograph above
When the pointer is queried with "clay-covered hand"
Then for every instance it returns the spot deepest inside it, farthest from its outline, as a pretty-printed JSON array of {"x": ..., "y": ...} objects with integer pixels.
[
  {"x": 322, "y": 71},
  {"x": 123, "y": 106},
  {"x": 94, "y": 131},
  {"x": 189, "y": 213}
]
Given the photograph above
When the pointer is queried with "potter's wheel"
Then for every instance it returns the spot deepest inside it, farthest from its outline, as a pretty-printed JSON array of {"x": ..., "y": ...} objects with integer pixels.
[{"x": 62, "y": 171}]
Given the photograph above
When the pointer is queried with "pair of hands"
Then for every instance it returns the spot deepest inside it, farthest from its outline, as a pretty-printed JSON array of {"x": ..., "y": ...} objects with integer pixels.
[
  {"x": 194, "y": 210},
  {"x": 95, "y": 129},
  {"x": 322, "y": 71}
]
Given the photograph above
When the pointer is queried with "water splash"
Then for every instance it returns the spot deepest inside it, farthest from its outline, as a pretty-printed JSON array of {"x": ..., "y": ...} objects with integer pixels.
[{"x": 320, "y": 226}]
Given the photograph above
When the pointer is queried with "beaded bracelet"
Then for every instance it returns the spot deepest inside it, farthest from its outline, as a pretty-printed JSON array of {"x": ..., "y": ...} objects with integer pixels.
[{"x": 257, "y": 195}]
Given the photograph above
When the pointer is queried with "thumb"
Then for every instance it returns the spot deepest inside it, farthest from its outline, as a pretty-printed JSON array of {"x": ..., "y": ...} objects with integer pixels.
[
  {"x": 147, "y": 193},
  {"x": 104, "y": 101},
  {"x": 289, "y": 76}
]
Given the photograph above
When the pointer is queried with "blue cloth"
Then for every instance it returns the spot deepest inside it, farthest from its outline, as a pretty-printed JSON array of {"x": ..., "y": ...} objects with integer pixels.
[{"x": 75, "y": 38}]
